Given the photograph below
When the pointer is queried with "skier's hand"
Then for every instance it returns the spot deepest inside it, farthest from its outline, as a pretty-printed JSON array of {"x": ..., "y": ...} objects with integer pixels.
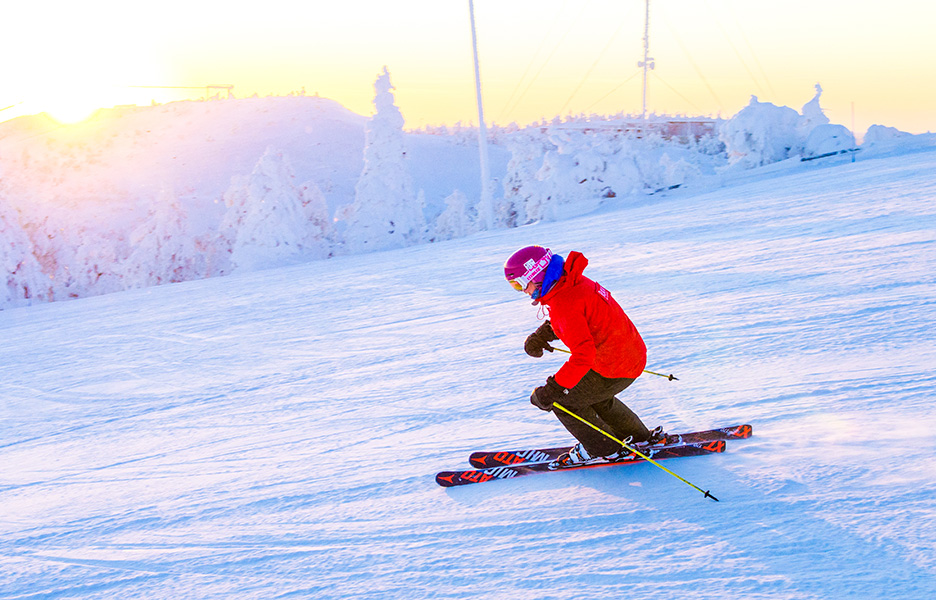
[
  {"x": 544, "y": 396},
  {"x": 534, "y": 346},
  {"x": 539, "y": 340}
]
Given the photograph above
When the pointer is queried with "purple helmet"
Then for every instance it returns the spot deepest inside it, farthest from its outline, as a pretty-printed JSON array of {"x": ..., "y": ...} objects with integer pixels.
[{"x": 526, "y": 265}]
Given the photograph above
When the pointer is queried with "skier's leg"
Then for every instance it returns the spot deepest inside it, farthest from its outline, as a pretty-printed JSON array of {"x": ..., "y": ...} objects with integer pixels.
[
  {"x": 595, "y": 443},
  {"x": 622, "y": 420},
  {"x": 593, "y": 400}
]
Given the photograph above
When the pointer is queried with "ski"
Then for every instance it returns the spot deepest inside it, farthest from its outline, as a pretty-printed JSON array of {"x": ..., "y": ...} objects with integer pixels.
[
  {"x": 485, "y": 460},
  {"x": 455, "y": 478}
]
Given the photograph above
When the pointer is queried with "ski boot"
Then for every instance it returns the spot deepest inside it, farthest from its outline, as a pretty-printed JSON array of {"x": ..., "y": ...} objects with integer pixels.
[
  {"x": 575, "y": 457},
  {"x": 657, "y": 436}
]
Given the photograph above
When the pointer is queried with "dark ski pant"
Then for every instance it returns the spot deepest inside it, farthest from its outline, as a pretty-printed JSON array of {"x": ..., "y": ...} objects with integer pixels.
[{"x": 593, "y": 399}]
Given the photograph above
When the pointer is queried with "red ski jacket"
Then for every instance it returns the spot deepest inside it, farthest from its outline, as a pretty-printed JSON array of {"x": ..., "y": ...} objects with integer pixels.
[{"x": 594, "y": 327}]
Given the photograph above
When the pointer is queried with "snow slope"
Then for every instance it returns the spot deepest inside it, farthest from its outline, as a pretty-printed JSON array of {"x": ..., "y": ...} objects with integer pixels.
[{"x": 275, "y": 434}]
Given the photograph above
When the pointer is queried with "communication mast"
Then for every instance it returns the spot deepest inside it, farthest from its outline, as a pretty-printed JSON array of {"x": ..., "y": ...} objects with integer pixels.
[{"x": 647, "y": 62}]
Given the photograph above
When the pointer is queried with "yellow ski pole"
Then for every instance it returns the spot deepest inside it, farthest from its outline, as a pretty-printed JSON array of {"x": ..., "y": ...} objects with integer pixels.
[
  {"x": 634, "y": 450},
  {"x": 671, "y": 377}
]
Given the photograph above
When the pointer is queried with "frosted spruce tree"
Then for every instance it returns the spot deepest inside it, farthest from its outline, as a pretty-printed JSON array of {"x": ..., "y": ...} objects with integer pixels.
[
  {"x": 811, "y": 116},
  {"x": 162, "y": 249},
  {"x": 320, "y": 230},
  {"x": 458, "y": 220},
  {"x": 23, "y": 281},
  {"x": 817, "y": 134},
  {"x": 571, "y": 178},
  {"x": 269, "y": 220},
  {"x": 92, "y": 262},
  {"x": 521, "y": 186},
  {"x": 79, "y": 258},
  {"x": 386, "y": 212}
]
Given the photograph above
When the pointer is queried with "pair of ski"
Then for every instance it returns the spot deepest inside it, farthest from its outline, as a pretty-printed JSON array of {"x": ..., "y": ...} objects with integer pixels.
[{"x": 507, "y": 464}]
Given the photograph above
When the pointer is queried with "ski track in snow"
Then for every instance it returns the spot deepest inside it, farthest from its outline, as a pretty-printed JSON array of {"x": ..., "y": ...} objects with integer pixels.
[{"x": 275, "y": 434}]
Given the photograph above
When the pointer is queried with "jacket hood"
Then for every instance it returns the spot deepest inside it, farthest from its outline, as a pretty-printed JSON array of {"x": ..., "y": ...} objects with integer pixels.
[{"x": 575, "y": 264}]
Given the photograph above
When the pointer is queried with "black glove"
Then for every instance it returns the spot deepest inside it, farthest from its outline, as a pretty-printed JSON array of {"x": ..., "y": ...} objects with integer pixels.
[
  {"x": 539, "y": 340},
  {"x": 544, "y": 396}
]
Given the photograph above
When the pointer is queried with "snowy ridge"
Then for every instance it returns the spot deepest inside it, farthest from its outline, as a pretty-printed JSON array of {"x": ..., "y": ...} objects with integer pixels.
[
  {"x": 145, "y": 196},
  {"x": 274, "y": 434}
]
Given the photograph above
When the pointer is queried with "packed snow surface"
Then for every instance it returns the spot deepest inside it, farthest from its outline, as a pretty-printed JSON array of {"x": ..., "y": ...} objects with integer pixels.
[{"x": 275, "y": 434}]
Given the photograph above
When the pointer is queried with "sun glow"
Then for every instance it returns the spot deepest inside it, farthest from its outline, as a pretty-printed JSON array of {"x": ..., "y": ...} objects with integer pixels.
[
  {"x": 71, "y": 93},
  {"x": 72, "y": 109},
  {"x": 79, "y": 63}
]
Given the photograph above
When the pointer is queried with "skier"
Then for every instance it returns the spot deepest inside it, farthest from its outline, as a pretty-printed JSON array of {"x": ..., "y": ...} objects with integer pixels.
[{"x": 608, "y": 353}]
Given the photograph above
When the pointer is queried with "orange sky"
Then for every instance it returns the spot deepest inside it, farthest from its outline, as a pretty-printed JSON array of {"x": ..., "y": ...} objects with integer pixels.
[{"x": 538, "y": 58}]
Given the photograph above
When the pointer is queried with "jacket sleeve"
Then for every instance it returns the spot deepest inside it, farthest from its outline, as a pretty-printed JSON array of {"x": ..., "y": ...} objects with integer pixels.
[{"x": 576, "y": 335}]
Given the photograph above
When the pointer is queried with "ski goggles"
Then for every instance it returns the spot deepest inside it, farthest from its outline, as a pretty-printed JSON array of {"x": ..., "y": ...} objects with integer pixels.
[
  {"x": 515, "y": 284},
  {"x": 532, "y": 270}
]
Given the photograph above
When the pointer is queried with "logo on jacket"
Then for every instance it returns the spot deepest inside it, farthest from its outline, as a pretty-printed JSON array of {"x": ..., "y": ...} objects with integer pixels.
[{"x": 603, "y": 292}]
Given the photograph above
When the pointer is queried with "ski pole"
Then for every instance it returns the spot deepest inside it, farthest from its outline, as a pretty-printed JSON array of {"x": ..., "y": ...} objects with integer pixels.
[
  {"x": 634, "y": 450},
  {"x": 671, "y": 377}
]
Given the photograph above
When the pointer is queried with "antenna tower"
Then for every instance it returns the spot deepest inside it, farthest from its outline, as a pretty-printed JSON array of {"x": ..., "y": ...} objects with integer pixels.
[{"x": 647, "y": 62}]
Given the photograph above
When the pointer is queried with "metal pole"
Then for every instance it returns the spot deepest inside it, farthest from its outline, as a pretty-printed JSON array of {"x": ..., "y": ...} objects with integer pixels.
[
  {"x": 647, "y": 62},
  {"x": 487, "y": 204}
]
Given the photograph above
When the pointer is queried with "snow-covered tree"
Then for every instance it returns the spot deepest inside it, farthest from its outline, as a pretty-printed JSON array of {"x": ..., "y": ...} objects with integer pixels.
[
  {"x": 761, "y": 133},
  {"x": 320, "y": 229},
  {"x": 23, "y": 280},
  {"x": 162, "y": 249},
  {"x": 626, "y": 166},
  {"x": 386, "y": 212},
  {"x": 880, "y": 138},
  {"x": 811, "y": 115},
  {"x": 677, "y": 172},
  {"x": 521, "y": 186},
  {"x": 572, "y": 177},
  {"x": 92, "y": 260},
  {"x": 458, "y": 220},
  {"x": 268, "y": 220},
  {"x": 817, "y": 135},
  {"x": 828, "y": 138},
  {"x": 79, "y": 259}
]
